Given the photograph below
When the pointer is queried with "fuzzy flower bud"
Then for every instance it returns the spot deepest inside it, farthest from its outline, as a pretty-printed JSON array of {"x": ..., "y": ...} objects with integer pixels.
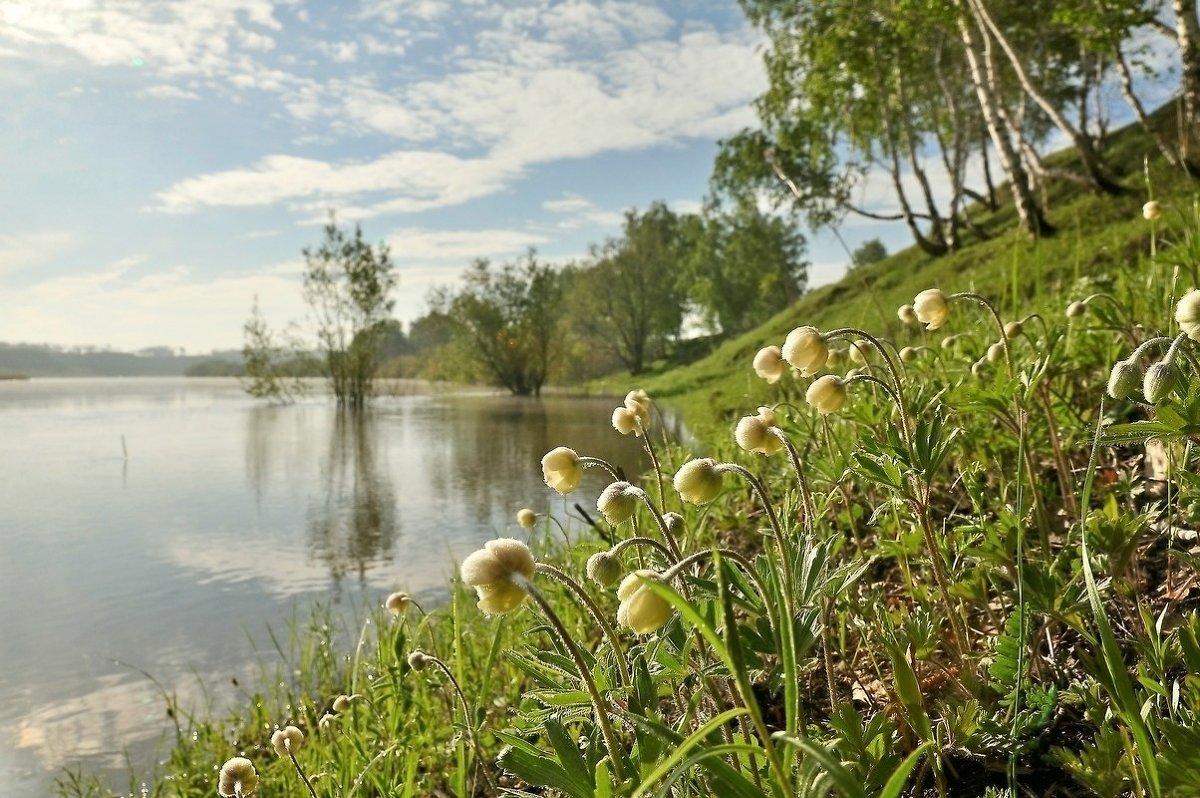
[
  {"x": 932, "y": 308},
  {"x": 625, "y": 421},
  {"x": 398, "y": 603},
  {"x": 1187, "y": 313},
  {"x": 1159, "y": 381},
  {"x": 827, "y": 394},
  {"x": 907, "y": 316},
  {"x": 616, "y": 503},
  {"x": 979, "y": 368},
  {"x": 287, "y": 740},
  {"x": 950, "y": 341},
  {"x": 1152, "y": 210},
  {"x": 327, "y": 720},
  {"x": 697, "y": 481},
  {"x": 342, "y": 703},
  {"x": 753, "y": 435},
  {"x": 768, "y": 364},
  {"x": 995, "y": 352},
  {"x": 490, "y": 571},
  {"x": 561, "y": 469},
  {"x": 1076, "y": 309},
  {"x": 908, "y": 354},
  {"x": 674, "y": 522},
  {"x": 526, "y": 518},
  {"x": 238, "y": 778},
  {"x": 1014, "y": 329},
  {"x": 418, "y": 660},
  {"x": 641, "y": 610},
  {"x": 805, "y": 349},
  {"x": 860, "y": 352},
  {"x": 836, "y": 358},
  {"x": 603, "y": 568},
  {"x": 1124, "y": 379}
]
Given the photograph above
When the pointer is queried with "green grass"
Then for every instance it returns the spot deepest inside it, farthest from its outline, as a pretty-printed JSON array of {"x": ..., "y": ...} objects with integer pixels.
[{"x": 990, "y": 594}]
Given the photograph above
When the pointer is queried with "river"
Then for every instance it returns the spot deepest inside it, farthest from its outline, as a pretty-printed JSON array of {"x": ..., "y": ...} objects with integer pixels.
[{"x": 153, "y": 532}]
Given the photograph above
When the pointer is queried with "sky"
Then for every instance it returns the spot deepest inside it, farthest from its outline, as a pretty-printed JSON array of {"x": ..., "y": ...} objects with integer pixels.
[{"x": 162, "y": 163}]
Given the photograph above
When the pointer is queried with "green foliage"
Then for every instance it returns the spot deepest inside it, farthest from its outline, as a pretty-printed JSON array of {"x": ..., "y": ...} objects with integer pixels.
[
  {"x": 506, "y": 320},
  {"x": 348, "y": 286}
]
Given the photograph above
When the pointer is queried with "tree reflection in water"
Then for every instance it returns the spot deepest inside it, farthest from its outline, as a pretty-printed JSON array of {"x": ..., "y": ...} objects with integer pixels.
[{"x": 352, "y": 527}]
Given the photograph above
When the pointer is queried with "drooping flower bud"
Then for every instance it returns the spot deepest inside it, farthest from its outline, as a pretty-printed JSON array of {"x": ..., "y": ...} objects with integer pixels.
[
  {"x": 287, "y": 740},
  {"x": 697, "y": 481},
  {"x": 908, "y": 354},
  {"x": 1159, "y": 381},
  {"x": 418, "y": 660},
  {"x": 1187, "y": 313},
  {"x": 1152, "y": 210},
  {"x": 769, "y": 364},
  {"x": 561, "y": 469},
  {"x": 827, "y": 394},
  {"x": 907, "y": 316},
  {"x": 1014, "y": 329},
  {"x": 625, "y": 421},
  {"x": 932, "y": 308},
  {"x": 398, "y": 603},
  {"x": 526, "y": 518},
  {"x": 1124, "y": 379},
  {"x": 674, "y": 522},
  {"x": 603, "y": 568},
  {"x": 491, "y": 571},
  {"x": 616, "y": 503},
  {"x": 995, "y": 352},
  {"x": 753, "y": 435},
  {"x": 641, "y": 609},
  {"x": 836, "y": 358},
  {"x": 860, "y": 352},
  {"x": 1076, "y": 309},
  {"x": 805, "y": 349},
  {"x": 238, "y": 778},
  {"x": 342, "y": 703}
]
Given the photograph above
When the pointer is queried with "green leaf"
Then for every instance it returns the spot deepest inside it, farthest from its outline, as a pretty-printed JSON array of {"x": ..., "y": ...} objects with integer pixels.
[
  {"x": 895, "y": 783},
  {"x": 847, "y": 783},
  {"x": 570, "y": 758},
  {"x": 695, "y": 739},
  {"x": 536, "y": 767}
]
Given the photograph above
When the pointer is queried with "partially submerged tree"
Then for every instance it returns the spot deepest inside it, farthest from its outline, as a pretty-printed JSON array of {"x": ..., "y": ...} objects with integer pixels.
[
  {"x": 274, "y": 364},
  {"x": 506, "y": 320},
  {"x": 348, "y": 286}
]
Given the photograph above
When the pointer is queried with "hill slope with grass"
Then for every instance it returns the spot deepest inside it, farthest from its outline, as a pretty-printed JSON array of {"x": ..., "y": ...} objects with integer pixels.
[{"x": 1095, "y": 235}]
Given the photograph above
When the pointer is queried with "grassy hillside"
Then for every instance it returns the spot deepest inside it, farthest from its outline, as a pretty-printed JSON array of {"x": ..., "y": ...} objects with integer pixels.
[{"x": 1096, "y": 235}]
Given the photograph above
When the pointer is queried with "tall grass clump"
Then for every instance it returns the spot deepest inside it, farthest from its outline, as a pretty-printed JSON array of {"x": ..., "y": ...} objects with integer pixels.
[{"x": 951, "y": 558}]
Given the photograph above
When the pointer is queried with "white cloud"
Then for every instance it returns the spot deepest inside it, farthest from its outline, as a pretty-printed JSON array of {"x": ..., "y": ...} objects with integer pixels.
[
  {"x": 174, "y": 305},
  {"x": 170, "y": 38},
  {"x": 575, "y": 211},
  {"x": 416, "y": 179},
  {"x": 423, "y": 245},
  {"x": 652, "y": 93},
  {"x": 21, "y": 251},
  {"x": 166, "y": 91}
]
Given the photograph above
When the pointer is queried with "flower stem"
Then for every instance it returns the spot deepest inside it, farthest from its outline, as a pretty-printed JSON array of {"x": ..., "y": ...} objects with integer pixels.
[
  {"x": 598, "y": 616},
  {"x": 470, "y": 727},
  {"x": 599, "y": 704}
]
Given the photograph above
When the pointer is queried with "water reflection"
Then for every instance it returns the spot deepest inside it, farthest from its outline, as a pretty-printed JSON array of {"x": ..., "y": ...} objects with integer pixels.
[{"x": 352, "y": 524}]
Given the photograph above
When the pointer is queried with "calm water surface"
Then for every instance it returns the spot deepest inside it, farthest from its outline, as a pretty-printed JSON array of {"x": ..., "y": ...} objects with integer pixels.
[{"x": 172, "y": 552}]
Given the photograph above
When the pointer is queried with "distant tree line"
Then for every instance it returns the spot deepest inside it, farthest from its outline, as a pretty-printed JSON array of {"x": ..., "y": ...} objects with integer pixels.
[{"x": 520, "y": 324}]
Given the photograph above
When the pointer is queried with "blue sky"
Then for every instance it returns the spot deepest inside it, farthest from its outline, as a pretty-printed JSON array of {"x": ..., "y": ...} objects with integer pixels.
[{"x": 164, "y": 162}]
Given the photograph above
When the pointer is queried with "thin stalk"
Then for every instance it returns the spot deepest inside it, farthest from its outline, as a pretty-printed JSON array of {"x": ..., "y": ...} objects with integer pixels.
[
  {"x": 939, "y": 575},
  {"x": 893, "y": 371},
  {"x": 599, "y": 704},
  {"x": 642, "y": 541},
  {"x": 979, "y": 300},
  {"x": 470, "y": 727},
  {"x": 299, "y": 770},
  {"x": 788, "y": 611},
  {"x": 634, "y": 490},
  {"x": 598, "y": 616},
  {"x": 596, "y": 462},
  {"x": 801, "y": 480}
]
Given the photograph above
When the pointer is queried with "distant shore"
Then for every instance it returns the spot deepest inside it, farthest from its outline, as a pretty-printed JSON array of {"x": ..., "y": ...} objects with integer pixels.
[{"x": 5, "y": 375}]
